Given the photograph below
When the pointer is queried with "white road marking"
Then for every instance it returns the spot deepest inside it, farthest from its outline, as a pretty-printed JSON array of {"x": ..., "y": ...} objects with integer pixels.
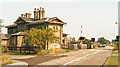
[{"x": 81, "y": 57}]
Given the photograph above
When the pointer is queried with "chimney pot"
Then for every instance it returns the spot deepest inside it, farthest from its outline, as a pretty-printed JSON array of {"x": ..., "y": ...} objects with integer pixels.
[
  {"x": 22, "y": 15},
  {"x": 34, "y": 9},
  {"x": 37, "y": 9},
  {"x": 43, "y": 13}
]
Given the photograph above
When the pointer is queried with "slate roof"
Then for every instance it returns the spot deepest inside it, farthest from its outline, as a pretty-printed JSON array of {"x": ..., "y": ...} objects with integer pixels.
[
  {"x": 32, "y": 21},
  {"x": 5, "y": 36},
  {"x": 27, "y": 19}
]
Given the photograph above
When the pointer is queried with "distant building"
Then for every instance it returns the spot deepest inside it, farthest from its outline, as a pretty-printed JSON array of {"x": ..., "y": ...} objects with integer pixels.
[
  {"x": 25, "y": 22},
  {"x": 5, "y": 39}
]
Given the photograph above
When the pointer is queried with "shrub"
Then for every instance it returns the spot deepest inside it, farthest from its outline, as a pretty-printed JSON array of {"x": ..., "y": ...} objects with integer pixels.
[
  {"x": 71, "y": 47},
  {"x": 4, "y": 49},
  {"x": 79, "y": 46}
]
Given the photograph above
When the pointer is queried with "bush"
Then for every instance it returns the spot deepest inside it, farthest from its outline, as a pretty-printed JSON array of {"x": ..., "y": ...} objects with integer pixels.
[
  {"x": 4, "y": 49},
  {"x": 79, "y": 46},
  {"x": 71, "y": 47}
]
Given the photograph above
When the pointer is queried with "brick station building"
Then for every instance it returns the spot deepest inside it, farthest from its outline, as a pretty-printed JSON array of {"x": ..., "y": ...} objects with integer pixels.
[{"x": 25, "y": 22}]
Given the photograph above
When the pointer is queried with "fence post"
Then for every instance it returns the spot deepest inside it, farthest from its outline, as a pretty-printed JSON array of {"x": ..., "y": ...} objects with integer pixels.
[
  {"x": 29, "y": 49},
  {"x": 20, "y": 49},
  {"x": 12, "y": 49}
]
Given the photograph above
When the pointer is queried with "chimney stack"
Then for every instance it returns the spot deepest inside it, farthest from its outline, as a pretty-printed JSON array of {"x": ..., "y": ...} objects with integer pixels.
[
  {"x": 36, "y": 14},
  {"x": 22, "y": 15},
  {"x": 39, "y": 14},
  {"x": 28, "y": 15},
  {"x": 43, "y": 13}
]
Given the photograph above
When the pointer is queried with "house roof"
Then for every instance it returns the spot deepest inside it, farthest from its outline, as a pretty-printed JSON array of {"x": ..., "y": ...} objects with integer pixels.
[
  {"x": 44, "y": 20},
  {"x": 32, "y": 21},
  {"x": 5, "y": 36},
  {"x": 65, "y": 34},
  {"x": 27, "y": 19},
  {"x": 19, "y": 33},
  {"x": 13, "y": 25}
]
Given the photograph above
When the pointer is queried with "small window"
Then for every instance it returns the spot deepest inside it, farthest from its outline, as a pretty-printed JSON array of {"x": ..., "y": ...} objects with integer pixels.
[
  {"x": 56, "y": 28},
  {"x": 14, "y": 40},
  {"x": 23, "y": 41}
]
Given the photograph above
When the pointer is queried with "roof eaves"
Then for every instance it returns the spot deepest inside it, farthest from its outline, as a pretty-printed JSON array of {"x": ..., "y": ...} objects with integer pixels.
[{"x": 13, "y": 25}]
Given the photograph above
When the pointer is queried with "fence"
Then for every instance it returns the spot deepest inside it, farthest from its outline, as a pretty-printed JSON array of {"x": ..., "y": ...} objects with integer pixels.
[
  {"x": 26, "y": 50},
  {"x": 65, "y": 46}
]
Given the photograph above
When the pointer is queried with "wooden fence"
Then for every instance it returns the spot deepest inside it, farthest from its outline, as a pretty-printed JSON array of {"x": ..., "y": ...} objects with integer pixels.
[{"x": 26, "y": 50}]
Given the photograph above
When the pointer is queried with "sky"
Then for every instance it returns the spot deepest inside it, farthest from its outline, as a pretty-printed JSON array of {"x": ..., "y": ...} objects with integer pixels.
[{"x": 98, "y": 17}]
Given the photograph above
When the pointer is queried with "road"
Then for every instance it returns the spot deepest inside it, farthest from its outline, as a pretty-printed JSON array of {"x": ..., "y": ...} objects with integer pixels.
[
  {"x": 96, "y": 57},
  {"x": 82, "y": 57}
]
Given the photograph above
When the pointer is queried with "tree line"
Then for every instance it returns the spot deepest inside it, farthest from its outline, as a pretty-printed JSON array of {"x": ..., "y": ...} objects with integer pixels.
[{"x": 101, "y": 40}]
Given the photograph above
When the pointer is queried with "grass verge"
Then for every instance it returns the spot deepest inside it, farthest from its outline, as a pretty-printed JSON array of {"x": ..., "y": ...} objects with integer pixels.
[
  {"x": 5, "y": 60},
  {"x": 55, "y": 51},
  {"x": 44, "y": 52},
  {"x": 17, "y": 53},
  {"x": 115, "y": 46},
  {"x": 114, "y": 52},
  {"x": 113, "y": 60}
]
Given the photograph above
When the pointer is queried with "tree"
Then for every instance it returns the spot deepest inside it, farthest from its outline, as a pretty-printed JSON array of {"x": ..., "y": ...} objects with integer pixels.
[
  {"x": 86, "y": 41},
  {"x": 73, "y": 39},
  {"x": 40, "y": 37},
  {"x": 1, "y": 26},
  {"x": 113, "y": 41},
  {"x": 102, "y": 40}
]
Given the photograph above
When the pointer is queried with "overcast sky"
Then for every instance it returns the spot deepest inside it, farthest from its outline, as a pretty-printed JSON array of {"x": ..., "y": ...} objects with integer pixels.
[{"x": 98, "y": 17}]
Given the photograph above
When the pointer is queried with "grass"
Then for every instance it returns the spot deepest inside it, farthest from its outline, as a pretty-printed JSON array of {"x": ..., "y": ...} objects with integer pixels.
[
  {"x": 17, "y": 53},
  {"x": 60, "y": 51},
  {"x": 44, "y": 52},
  {"x": 55, "y": 52},
  {"x": 5, "y": 60},
  {"x": 113, "y": 60},
  {"x": 115, "y": 52},
  {"x": 115, "y": 46}
]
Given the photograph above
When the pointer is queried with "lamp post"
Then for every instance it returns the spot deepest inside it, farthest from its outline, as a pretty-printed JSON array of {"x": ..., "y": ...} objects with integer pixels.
[
  {"x": 118, "y": 42},
  {"x": 118, "y": 35}
]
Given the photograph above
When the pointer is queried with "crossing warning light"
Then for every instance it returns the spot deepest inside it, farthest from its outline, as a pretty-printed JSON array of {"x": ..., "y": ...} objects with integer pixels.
[
  {"x": 92, "y": 39},
  {"x": 82, "y": 38}
]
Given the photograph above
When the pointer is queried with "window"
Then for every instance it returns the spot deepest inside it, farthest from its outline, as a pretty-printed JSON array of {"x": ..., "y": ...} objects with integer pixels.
[
  {"x": 55, "y": 28},
  {"x": 23, "y": 41},
  {"x": 14, "y": 40}
]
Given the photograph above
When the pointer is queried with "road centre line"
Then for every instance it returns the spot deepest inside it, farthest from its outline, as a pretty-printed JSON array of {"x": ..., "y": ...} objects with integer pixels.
[{"x": 81, "y": 57}]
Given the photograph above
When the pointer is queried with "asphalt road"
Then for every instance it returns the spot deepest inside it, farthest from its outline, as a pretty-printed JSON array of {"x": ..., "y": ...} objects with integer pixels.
[
  {"x": 80, "y": 58},
  {"x": 83, "y": 58}
]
